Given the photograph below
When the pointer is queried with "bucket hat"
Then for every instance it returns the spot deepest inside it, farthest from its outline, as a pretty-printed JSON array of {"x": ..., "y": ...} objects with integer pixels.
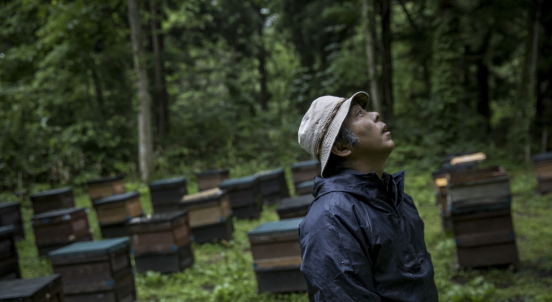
[{"x": 320, "y": 125}]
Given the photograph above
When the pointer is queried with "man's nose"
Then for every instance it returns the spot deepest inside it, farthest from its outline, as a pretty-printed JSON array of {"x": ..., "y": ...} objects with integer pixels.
[{"x": 375, "y": 116}]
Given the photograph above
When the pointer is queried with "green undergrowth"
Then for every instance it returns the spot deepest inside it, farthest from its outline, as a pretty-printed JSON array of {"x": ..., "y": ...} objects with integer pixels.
[{"x": 223, "y": 271}]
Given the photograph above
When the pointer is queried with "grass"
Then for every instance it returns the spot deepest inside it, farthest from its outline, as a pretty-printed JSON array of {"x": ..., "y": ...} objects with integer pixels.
[{"x": 224, "y": 271}]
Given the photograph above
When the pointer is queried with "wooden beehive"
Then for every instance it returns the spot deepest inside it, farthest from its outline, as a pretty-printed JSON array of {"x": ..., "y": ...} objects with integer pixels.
[
  {"x": 114, "y": 230},
  {"x": 244, "y": 195},
  {"x": 277, "y": 256},
  {"x": 166, "y": 194},
  {"x": 96, "y": 270},
  {"x": 52, "y": 200},
  {"x": 9, "y": 261},
  {"x": 166, "y": 262},
  {"x": 305, "y": 171},
  {"x": 304, "y": 188},
  {"x": 211, "y": 179},
  {"x": 273, "y": 185},
  {"x": 58, "y": 228},
  {"x": 106, "y": 186},
  {"x": 543, "y": 169},
  {"x": 118, "y": 208},
  {"x": 10, "y": 214},
  {"x": 295, "y": 206},
  {"x": 41, "y": 289}
]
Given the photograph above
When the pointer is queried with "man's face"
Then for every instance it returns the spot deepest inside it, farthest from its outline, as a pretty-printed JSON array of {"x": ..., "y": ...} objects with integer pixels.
[{"x": 374, "y": 139}]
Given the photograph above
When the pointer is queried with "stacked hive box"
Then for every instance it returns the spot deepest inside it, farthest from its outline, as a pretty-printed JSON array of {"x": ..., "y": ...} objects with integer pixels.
[
  {"x": 42, "y": 289},
  {"x": 210, "y": 179},
  {"x": 161, "y": 242},
  {"x": 166, "y": 194},
  {"x": 58, "y": 228},
  {"x": 244, "y": 195},
  {"x": 479, "y": 203},
  {"x": 106, "y": 186},
  {"x": 543, "y": 169},
  {"x": 210, "y": 215},
  {"x": 277, "y": 256},
  {"x": 52, "y": 200},
  {"x": 9, "y": 261},
  {"x": 10, "y": 214},
  {"x": 303, "y": 175},
  {"x": 273, "y": 186},
  {"x": 114, "y": 211},
  {"x": 95, "y": 271},
  {"x": 440, "y": 185},
  {"x": 295, "y": 207}
]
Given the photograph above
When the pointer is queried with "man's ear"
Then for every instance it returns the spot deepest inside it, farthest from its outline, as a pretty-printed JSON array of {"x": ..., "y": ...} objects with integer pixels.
[{"x": 341, "y": 150}]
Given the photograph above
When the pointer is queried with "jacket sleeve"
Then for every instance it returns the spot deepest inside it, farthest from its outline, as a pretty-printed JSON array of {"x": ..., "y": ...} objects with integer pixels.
[{"x": 336, "y": 263}]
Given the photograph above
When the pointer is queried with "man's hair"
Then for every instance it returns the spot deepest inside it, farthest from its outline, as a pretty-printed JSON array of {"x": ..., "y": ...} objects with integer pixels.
[{"x": 337, "y": 163}]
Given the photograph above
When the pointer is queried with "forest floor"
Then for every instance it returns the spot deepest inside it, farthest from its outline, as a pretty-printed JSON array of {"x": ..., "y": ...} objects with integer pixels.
[{"x": 224, "y": 271}]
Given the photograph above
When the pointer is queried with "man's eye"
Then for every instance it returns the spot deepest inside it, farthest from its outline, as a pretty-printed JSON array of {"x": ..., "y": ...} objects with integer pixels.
[{"x": 358, "y": 113}]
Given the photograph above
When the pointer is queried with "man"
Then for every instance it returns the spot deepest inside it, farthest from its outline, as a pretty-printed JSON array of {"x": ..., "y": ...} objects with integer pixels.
[{"x": 363, "y": 239}]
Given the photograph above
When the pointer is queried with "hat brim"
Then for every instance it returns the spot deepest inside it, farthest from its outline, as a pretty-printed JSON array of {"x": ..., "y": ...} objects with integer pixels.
[{"x": 327, "y": 143}]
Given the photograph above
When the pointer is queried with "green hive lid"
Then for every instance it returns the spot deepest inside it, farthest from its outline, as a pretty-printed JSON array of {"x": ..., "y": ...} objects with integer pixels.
[
  {"x": 168, "y": 182},
  {"x": 116, "y": 198},
  {"x": 52, "y": 192},
  {"x": 542, "y": 156},
  {"x": 8, "y": 204},
  {"x": 105, "y": 179},
  {"x": 295, "y": 202},
  {"x": 284, "y": 225},
  {"x": 6, "y": 229},
  {"x": 157, "y": 218},
  {"x": 238, "y": 181},
  {"x": 305, "y": 184},
  {"x": 105, "y": 246},
  {"x": 307, "y": 163},
  {"x": 215, "y": 171},
  {"x": 56, "y": 213},
  {"x": 17, "y": 289}
]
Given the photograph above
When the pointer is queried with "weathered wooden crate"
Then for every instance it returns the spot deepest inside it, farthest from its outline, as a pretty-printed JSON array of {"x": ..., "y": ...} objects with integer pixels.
[
  {"x": 295, "y": 206},
  {"x": 207, "y": 207},
  {"x": 52, "y": 200},
  {"x": 543, "y": 169},
  {"x": 118, "y": 208},
  {"x": 478, "y": 187},
  {"x": 214, "y": 231},
  {"x": 485, "y": 235},
  {"x": 273, "y": 185},
  {"x": 9, "y": 261},
  {"x": 304, "y": 188},
  {"x": 244, "y": 195},
  {"x": 211, "y": 179},
  {"x": 166, "y": 193},
  {"x": 166, "y": 262},
  {"x": 10, "y": 214},
  {"x": 41, "y": 289},
  {"x": 58, "y": 228},
  {"x": 106, "y": 186},
  {"x": 277, "y": 256},
  {"x": 305, "y": 170},
  {"x": 92, "y": 269},
  {"x": 159, "y": 232}
]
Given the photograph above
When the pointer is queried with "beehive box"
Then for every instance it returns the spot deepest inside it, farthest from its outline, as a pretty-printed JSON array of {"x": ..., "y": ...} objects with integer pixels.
[
  {"x": 441, "y": 193},
  {"x": 305, "y": 171},
  {"x": 9, "y": 261},
  {"x": 273, "y": 185},
  {"x": 304, "y": 188},
  {"x": 52, "y": 200},
  {"x": 244, "y": 195},
  {"x": 106, "y": 186},
  {"x": 211, "y": 179},
  {"x": 58, "y": 228},
  {"x": 295, "y": 206},
  {"x": 543, "y": 169},
  {"x": 114, "y": 230},
  {"x": 10, "y": 214},
  {"x": 485, "y": 235},
  {"x": 96, "y": 270},
  {"x": 41, "y": 289},
  {"x": 277, "y": 256},
  {"x": 166, "y": 262},
  {"x": 215, "y": 231},
  {"x": 166, "y": 194},
  {"x": 118, "y": 208}
]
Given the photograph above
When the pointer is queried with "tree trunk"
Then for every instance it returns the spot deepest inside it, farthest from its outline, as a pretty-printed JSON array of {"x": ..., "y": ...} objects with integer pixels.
[
  {"x": 261, "y": 56},
  {"x": 387, "y": 70},
  {"x": 145, "y": 145},
  {"x": 161, "y": 99},
  {"x": 370, "y": 34}
]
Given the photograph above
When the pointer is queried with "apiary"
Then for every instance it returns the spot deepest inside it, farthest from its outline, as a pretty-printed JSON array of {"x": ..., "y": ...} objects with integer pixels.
[
  {"x": 106, "y": 186},
  {"x": 273, "y": 185},
  {"x": 118, "y": 208},
  {"x": 293, "y": 207},
  {"x": 244, "y": 195},
  {"x": 39, "y": 289},
  {"x": 52, "y": 200},
  {"x": 166, "y": 194},
  {"x": 211, "y": 179},
  {"x": 543, "y": 169},
  {"x": 9, "y": 261},
  {"x": 10, "y": 214}
]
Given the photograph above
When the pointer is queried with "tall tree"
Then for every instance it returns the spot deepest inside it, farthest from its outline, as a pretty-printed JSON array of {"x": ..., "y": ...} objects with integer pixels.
[
  {"x": 387, "y": 64},
  {"x": 369, "y": 17},
  {"x": 145, "y": 146}
]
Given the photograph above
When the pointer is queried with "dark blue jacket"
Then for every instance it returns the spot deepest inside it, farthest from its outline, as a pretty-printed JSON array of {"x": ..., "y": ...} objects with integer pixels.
[{"x": 363, "y": 240}]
